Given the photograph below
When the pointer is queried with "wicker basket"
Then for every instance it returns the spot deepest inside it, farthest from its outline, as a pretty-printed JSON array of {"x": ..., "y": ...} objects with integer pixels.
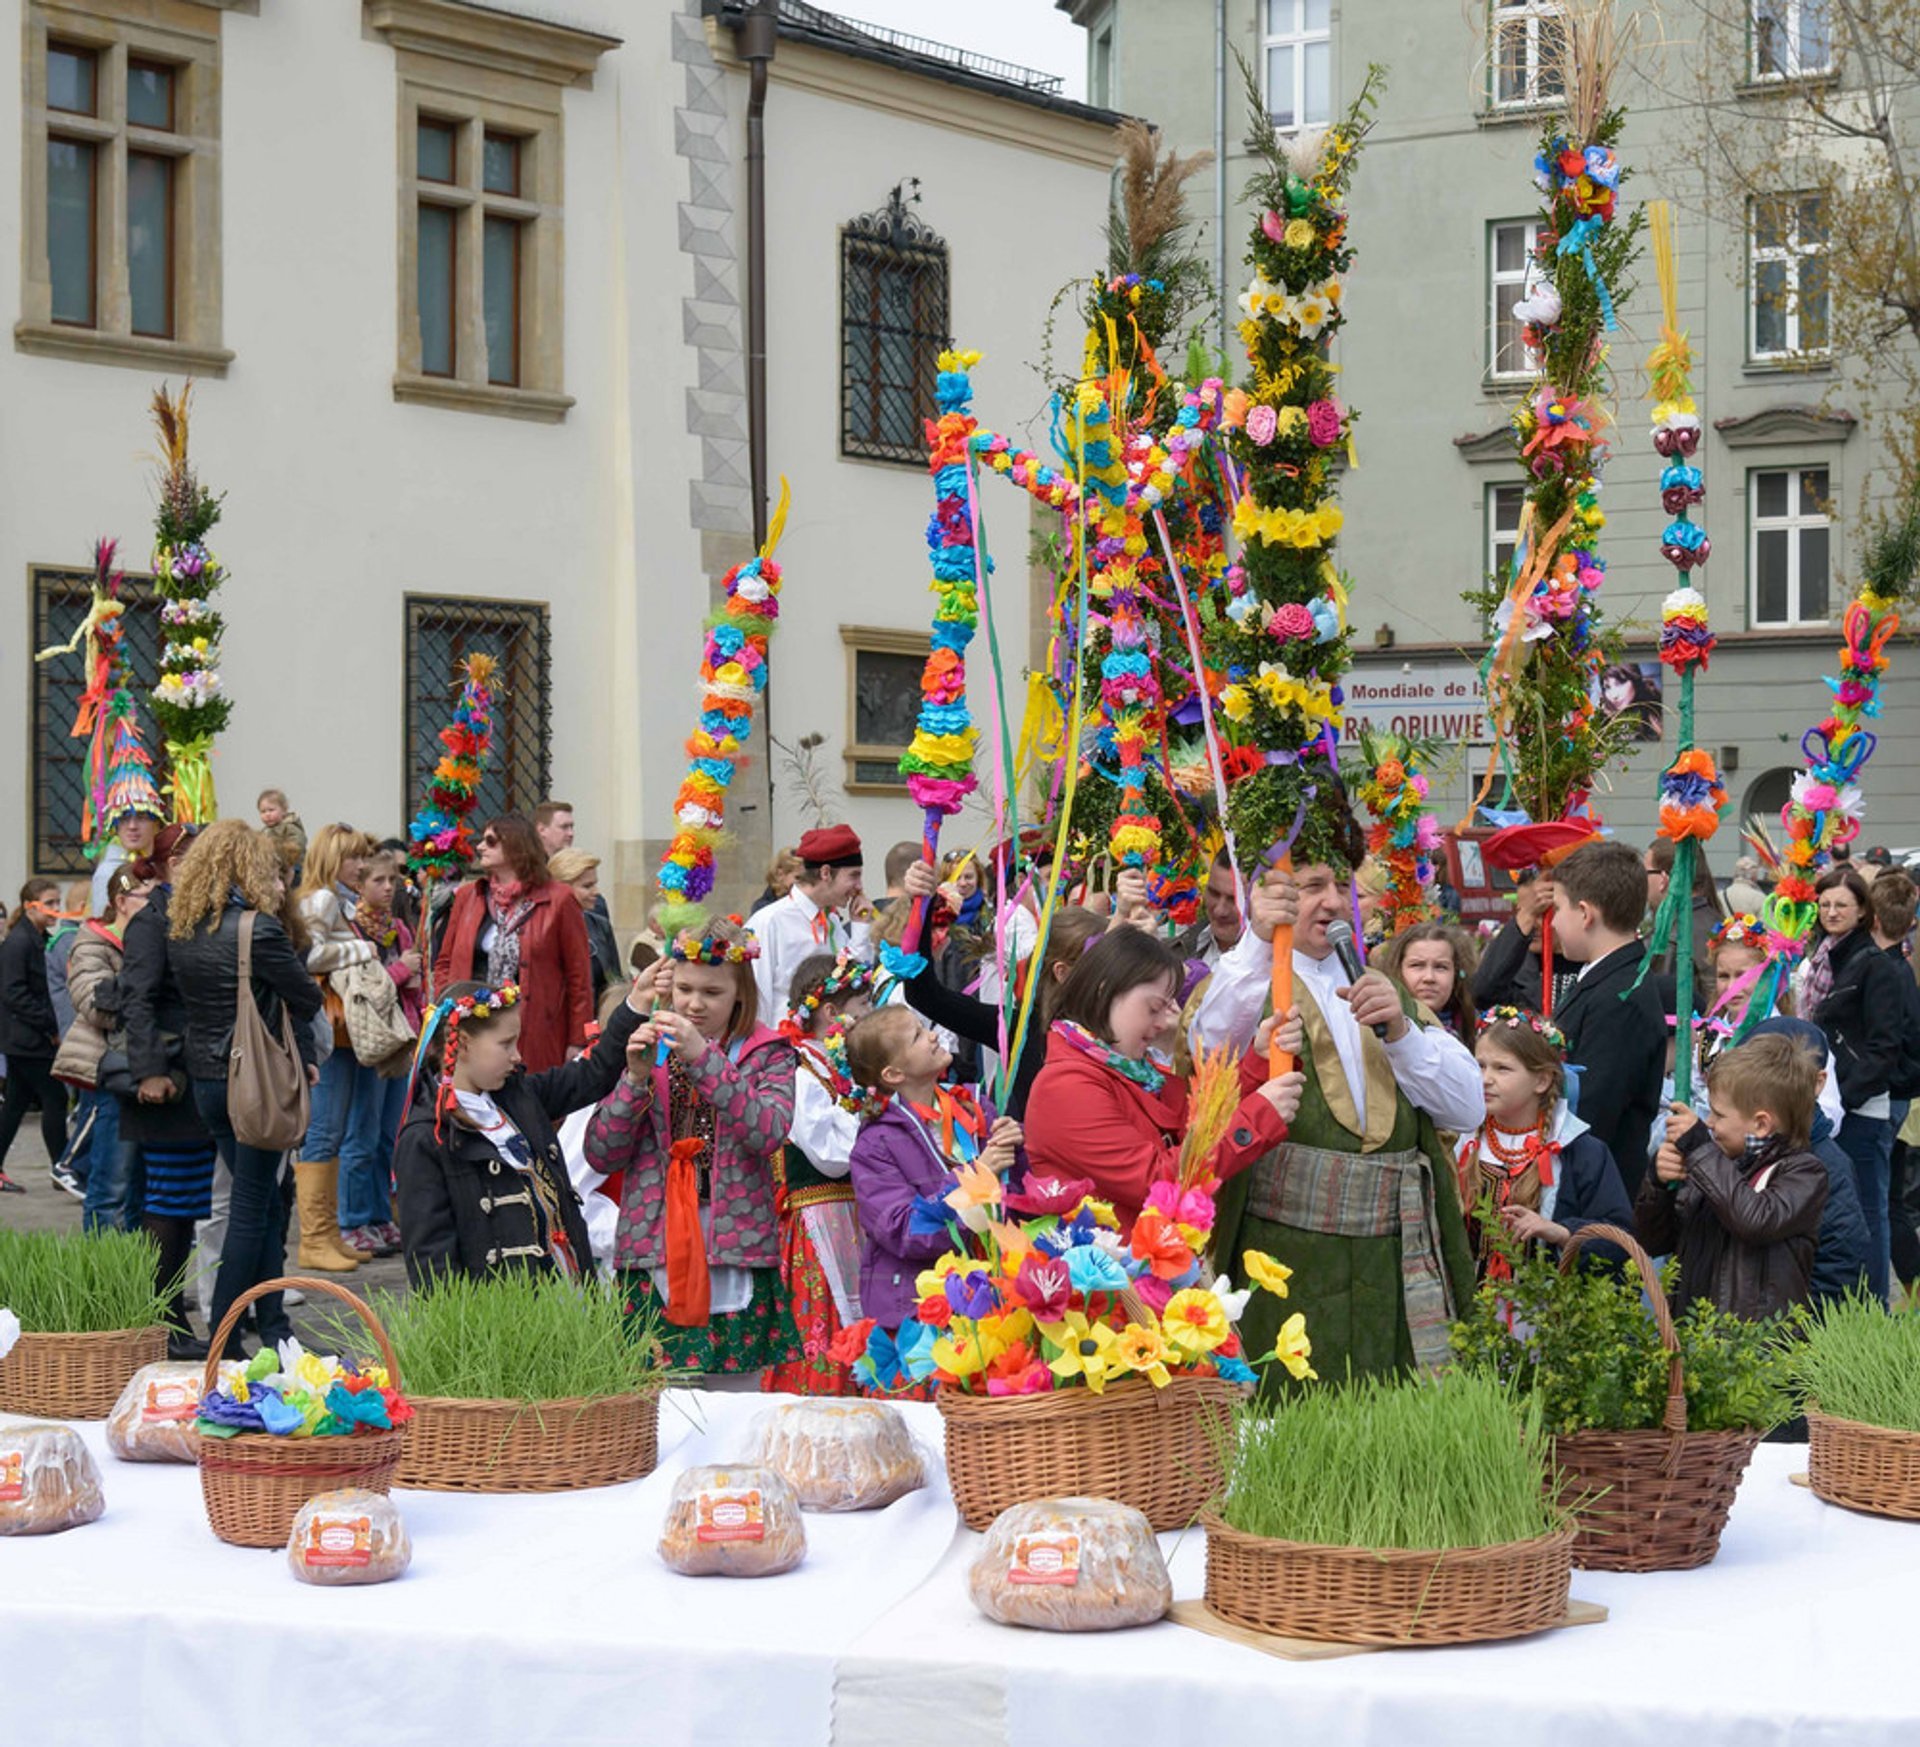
[
  {"x": 1652, "y": 1500},
  {"x": 1864, "y": 1467},
  {"x": 75, "y": 1376},
  {"x": 512, "y": 1446},
  {"x": 1357, "y": 1595},
  {"x": 254, "y": 1484},
  {"x": 1157, "y": 1449}
]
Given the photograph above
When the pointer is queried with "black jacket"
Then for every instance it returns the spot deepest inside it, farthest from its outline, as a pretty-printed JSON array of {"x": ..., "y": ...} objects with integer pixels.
[
  {"x": 459, "y": 1206},
  {"x": 27, "y": 1023},
  {"x": 1864, "y": 1017},
  {"x": 1747, "y": 1251},
  {"x": 1617, "y": 1035},
  {"x": 1508, "y": 974},
  {"x": 155, "y": 1018},
  {"x": 206, "y": 966},
  {"x": 1841, "y": 1249},
  {"x": 979, "y": 1022}
]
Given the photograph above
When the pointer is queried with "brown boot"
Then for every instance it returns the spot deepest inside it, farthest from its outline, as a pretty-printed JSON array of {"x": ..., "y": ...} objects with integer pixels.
[{"x": 317, "y": 1187}]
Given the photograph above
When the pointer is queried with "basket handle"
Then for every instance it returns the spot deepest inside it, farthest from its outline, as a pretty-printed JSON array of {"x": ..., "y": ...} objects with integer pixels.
[
  {"x": 1675, "y": 1418},
  {"x": 358, "y": 1306}
]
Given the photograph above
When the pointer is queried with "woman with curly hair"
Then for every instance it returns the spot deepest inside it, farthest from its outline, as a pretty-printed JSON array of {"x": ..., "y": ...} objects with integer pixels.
[{"x": 231, "y": 872}]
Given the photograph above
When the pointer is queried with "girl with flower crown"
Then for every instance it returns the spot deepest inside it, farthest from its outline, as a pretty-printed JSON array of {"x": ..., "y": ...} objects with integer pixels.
[
  {"x": 1533, "y": 1171},
  {"x": 819, "y": 1230},
  {"x": 696, "y": 1123},
  {"x": 481, "y": 1180},
  {"x": 1108, "y": 1106}
]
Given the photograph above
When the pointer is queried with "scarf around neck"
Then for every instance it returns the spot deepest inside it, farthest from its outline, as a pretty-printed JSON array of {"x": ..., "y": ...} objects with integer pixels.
[{"x": 1149, "y": 1074}]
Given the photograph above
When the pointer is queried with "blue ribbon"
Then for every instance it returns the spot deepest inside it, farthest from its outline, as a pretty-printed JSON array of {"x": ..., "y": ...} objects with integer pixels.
[{"x": 1579, "y": 241}]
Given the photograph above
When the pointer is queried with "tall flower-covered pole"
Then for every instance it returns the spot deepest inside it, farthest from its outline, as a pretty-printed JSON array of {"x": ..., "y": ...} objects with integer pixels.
[
  {"x": 441, "y": 838},
  {"x": 1692, "y": 797},
  {"x": 733, "y": 675},
  {"x": 189, "y": 702},
  {"x": 105, "y": 711},
  {"x": 1280, "y": 641},
  {"x": 1394, "y": 784}
]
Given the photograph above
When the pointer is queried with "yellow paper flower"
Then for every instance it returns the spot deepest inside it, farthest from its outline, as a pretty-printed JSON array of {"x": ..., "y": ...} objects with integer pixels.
[
  {"x": 1291, "y": 422},
  {"x": 961, "y": 1352},
  {"x": 1264, "y": 1271},
  {"x": 1236, "y": 702},
  {"x": 1299, "y": 234},
  {"x": 1293, "y": 1349},
  {"x": 1087, "y": 1350},
  {"x": 1194, "y": 1322},
  {"x": 1143, "y": 1351},
  {"x": 931, "y": 1281}
]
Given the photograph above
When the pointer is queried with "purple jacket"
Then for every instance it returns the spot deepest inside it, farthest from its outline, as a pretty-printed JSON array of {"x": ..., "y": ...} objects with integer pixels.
[{"x": 894, "y": 1161}]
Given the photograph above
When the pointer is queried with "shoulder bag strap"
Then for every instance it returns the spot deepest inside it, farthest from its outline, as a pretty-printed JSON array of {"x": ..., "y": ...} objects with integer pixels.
[{"x": 243, "y": 979}]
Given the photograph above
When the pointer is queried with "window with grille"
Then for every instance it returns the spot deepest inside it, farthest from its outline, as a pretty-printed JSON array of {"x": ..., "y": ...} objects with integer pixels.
[
  {"x": 1510, "y": 276},
  {"x": 1528, "y": 44},
  {"x": 441, "y": 634},
  {"x": 893, "y": 327},
  {"x": 58, "y": 764},
  {"x": 883, "y": 703}
]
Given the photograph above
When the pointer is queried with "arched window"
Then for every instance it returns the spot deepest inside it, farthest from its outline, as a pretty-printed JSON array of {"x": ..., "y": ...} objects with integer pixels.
[
  {"x": 1767, "y": 794},
  {"x": 893, "y": 327}
]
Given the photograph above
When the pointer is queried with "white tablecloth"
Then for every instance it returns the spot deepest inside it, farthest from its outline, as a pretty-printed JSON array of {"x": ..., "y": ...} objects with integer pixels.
[{"x": 550, "y": 1619}]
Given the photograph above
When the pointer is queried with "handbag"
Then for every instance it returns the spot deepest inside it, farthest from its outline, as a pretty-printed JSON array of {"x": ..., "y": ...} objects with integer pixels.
[
  {"x": 115, "y": 1073},
  {"x": 377, "y": 1030},
  {"x": 267, "y": 1092}
]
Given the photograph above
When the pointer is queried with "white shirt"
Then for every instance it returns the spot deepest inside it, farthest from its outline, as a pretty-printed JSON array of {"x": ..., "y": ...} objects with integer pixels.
[
  {"x": 821, "y": 1129},
  {"x": 786, "y": 930},
  {"x": 1432, "y": 1066}
]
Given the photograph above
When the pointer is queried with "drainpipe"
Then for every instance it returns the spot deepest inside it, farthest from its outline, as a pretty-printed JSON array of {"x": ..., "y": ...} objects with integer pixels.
[
  {"x": 754, "y": 42},
  {"x": 1220, "y": 158}
]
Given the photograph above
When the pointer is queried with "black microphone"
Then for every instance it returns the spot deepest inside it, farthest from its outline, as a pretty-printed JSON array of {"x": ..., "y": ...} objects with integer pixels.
[{"x": 1340, "y": 938}]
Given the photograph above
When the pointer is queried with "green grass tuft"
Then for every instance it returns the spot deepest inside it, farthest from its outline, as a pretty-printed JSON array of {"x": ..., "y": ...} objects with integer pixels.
[
  {"x": 69, "y": 1283},
  {"x": 1860, "y": 1363},
  {"x": 1456, "y": 1461}
]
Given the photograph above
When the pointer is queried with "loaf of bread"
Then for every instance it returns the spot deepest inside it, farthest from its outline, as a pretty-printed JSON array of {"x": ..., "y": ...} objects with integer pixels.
[
  {"x": 153, "y": 1419},
  {"x": 347, "y": 1537},
  {"x": 840, "y": 1455},
  {"x": 733, "y": 1522},
  {"x": 1071, "y": 1565},
  {"x": 47, "y": 1479}
]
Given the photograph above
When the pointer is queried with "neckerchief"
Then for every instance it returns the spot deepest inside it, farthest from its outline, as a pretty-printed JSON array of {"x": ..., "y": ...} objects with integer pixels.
[
  {"x": 955, "y": 1124},
  {"x": 509, "y": 914},
  {"x": 1151, "y": 1074}
]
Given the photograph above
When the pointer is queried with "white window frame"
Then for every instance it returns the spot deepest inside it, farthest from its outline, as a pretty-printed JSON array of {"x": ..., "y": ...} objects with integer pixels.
[
  {"x": 1100, "y": 64},
  {"x": 1505, "y": 288},
  {"x": 1792, "y": 15},
  {"x": 1533, "y": 13},
  {"x": 1791, "y": 524},
  {"x": 1297, "y": 39},
  {"x": 1792, "y": 252},
  {"x": 1497, "y": 536}
]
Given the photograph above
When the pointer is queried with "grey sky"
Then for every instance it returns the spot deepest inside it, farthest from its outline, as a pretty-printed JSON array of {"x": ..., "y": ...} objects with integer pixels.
[{"x": 1029, "y": 32}]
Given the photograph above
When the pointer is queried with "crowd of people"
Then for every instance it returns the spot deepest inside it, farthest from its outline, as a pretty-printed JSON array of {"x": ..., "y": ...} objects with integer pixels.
[{"x": 746, "y": 1121}]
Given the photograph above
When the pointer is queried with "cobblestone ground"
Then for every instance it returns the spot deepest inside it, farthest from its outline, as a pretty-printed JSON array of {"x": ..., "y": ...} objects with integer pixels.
[{"x": 45, "y": 1208}]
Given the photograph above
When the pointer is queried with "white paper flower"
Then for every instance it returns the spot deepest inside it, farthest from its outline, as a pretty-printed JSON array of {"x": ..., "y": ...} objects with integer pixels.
[
  {"x": 1540, "y": 308},
  {"x": 1232, "y": 1302}
]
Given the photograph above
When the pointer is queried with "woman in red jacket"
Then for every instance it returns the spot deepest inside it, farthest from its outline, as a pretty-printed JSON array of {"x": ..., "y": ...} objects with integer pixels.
[
  {"x": 1108, "y": 1105},
  {"x": 515, "y": 925}
]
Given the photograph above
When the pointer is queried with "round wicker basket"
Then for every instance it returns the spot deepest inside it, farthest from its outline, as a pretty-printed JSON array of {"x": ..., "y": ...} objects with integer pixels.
[
  {"x": 1157, "y": 1449},
  {"x": 253, "y": 1485},
  {"x": 512, "y": 1446},
  {"x": 1362, "y": 1595},
  {"x": 1864, "y": 1467},
  {"x": 75, "y": 1376},
  {"x": 1657, "y": 1499}
]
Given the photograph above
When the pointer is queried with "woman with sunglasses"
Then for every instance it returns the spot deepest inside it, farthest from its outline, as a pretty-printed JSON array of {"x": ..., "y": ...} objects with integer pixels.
[
  {"x": 516, "y": 924},
  {"x": 1108, "y": 1106}
]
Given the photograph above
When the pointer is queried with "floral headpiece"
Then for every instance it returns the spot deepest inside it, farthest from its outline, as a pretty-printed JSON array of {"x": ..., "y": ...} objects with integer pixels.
[
  {"x": 1521, "y": 1020},
  {"x": 725, "y": 941},
  {"x": 1742, "y": 930},
  {"x": 450, "y": 1013},
  {"x": 849, "y": 976}
]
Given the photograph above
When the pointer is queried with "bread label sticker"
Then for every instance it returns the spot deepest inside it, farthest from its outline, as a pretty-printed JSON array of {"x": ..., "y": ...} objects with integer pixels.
[
  {"x": 12, "y": 1480},
  {"x": 169, "y": 1404},
  {"x": 730, "y": 1516},
  {"x": 339, "y": 1540},
  {"x": 1046, "y": 1559}
]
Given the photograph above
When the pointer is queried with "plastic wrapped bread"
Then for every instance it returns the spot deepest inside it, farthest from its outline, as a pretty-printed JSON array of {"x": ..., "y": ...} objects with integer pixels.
[
  {"x": 153, "y": 1419},
  {"x": 1071, "y": 1565},
  {"x": 733, "y": 1522},
  {"x": 351, "y": 1536},
  {"x": 841, "y": 1455},
  {"x": 47, "y": 1479}
]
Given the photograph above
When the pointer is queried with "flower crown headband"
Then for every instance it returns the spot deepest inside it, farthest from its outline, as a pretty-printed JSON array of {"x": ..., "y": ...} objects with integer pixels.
[
  {"x": 1742, "y": 930},
  {"x": 451, "y": 1012},
  {"x": 1519, "y": 1019},
  {"x": 848, "y": 977},
  {"x": 706, "y": 946}
]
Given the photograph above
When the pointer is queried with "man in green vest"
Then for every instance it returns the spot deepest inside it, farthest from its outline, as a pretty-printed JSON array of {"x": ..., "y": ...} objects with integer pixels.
[{"x": 1359, "y": 1201}]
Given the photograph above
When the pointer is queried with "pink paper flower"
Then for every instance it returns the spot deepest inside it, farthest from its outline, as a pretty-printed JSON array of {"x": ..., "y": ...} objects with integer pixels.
[
  {"x": 1261, "y": 422},
  {"x": 1323, "y": 423},
  {"x": 1292, "y": 623},
  {"x": 1274, "y": 226}
]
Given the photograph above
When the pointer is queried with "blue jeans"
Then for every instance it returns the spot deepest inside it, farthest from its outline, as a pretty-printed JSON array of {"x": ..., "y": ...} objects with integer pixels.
[
  {"x": 345, "y": 1124},
  {"x": 1868, "y": 1141},
  {"x": 112, "y": 1202},
  {"x": 256, "y": 1245}
]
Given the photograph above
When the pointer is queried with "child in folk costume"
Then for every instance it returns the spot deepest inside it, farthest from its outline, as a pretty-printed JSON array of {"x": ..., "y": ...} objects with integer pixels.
[
  {"x": 1533, "y": 1166},
  {"x": 482, "y": 1183},
  {"x": 819, "y": 1231},
  {"x": 696, "y": 1127}
]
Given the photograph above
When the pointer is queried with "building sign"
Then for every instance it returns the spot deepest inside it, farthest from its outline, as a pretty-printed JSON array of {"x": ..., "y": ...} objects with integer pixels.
[{"x": 1442, "y": 702}]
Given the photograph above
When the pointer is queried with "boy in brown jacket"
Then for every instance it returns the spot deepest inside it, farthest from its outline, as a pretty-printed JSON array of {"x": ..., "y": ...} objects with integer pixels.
[{"x": 1737, "y": 1199}]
